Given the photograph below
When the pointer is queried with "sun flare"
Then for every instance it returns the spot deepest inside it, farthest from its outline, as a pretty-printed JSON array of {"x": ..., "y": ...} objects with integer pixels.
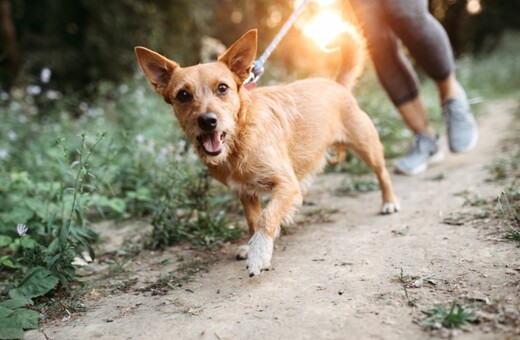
[{"x": 323, "y": 28}]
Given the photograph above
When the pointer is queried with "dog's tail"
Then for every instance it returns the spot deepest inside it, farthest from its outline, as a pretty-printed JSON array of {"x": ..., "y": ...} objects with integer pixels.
[{"x": 353, "y": 54}]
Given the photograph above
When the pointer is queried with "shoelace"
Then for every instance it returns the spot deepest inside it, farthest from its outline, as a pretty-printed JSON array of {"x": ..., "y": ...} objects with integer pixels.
[{"x": 456, "y": 109}]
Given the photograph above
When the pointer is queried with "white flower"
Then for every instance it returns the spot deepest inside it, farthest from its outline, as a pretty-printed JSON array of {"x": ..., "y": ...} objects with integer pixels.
[
  {"x": 123, "y": 88},
  {"x": 83, "y": 106},
  {"x": 11, "y": 135},
  {"x": 45, "y": 75},
  {"x": 139, "y": 138},
  {"x": 3, "y": 153},
  {"x": 34, "y": 90},
  {"x": 21, "y": 229},
  {"x": 53, "y": 95}
]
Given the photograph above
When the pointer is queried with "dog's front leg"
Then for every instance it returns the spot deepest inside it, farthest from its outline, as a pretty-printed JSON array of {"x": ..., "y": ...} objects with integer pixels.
[
  {"x": 252, "y": 209},
  {"x": 285, "y": 195}
]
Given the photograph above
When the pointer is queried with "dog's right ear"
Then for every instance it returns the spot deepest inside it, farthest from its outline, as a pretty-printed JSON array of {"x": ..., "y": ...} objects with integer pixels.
[{"x": 157, "y": 69}]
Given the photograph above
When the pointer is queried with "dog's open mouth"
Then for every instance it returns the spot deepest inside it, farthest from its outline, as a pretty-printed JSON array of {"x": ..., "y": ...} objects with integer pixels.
[{"x": 212, "y": 142}]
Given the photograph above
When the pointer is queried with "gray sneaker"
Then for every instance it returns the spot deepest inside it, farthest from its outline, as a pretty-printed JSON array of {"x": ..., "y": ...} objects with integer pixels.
[
  {"x": 462, "y": 127},
  {"x": 423, "y": 151}
]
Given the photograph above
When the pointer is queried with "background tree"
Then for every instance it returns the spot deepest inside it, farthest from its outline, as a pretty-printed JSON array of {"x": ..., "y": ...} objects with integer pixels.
[
  {"x": 84, "y": 42},
  {"x": 9, "y": 58}
]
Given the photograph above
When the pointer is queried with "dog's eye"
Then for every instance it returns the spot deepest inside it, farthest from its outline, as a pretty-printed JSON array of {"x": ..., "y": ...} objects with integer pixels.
[
  {"x": 184, "y": 96},
  {"x": 222, "y": 89}
]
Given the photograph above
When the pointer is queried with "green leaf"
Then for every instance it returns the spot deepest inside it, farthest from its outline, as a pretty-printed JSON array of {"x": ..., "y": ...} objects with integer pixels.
[
  {"x": 38, "y": 281},
  {"x": 9, "y": 328},
  {"x": 8, "y": 331},
  {"x": 7, "y": 262},
  {"x": 26, "y": 318},
  {"x": 27, "y": 242},
  {"x": 17, "y": 302},
  {"x": 5, "y": 312},
  {"x": 5, "y": 240},
  {"x": 19, "y": 214},
  {"x": 64, "y": 234}
]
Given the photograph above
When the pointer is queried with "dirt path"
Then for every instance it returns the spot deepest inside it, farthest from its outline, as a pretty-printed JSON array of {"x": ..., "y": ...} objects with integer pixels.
[{"x": 337, "y": 280}]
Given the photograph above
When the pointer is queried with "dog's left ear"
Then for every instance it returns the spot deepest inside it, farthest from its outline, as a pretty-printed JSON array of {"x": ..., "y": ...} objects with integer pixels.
[{"x": 240, "y": 56}]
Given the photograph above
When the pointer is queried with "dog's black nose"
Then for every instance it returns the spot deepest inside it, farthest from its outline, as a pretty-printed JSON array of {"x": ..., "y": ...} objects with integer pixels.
[{"x": 208, "y": 121}]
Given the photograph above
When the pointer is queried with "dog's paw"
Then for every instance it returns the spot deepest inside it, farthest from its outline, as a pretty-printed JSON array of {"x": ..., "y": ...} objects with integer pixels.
[
  {"x": 260, "y": 253},
  {"x": 242, "y": 252},
  {"x": 390, "y": 208}
]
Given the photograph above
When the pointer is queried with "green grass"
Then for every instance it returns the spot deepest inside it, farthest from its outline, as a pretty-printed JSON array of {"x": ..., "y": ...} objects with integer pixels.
[
  {"x": 456, "y": 316},
  {"x": 356, "y": 185},
  {"x": 508, "y": 205},
  {"x": 405, "y": 281}
]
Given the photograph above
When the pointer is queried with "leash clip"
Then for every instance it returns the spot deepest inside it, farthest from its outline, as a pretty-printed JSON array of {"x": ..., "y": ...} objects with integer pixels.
[{"x": 256, "y": 71}]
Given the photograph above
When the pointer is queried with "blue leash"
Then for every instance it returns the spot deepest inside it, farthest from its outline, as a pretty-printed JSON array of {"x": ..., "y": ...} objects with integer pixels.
[{"x": 258, "y": 66}]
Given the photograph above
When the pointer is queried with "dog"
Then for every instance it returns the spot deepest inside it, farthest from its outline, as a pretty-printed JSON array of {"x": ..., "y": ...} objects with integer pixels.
[{"x": 272, "y": 139}]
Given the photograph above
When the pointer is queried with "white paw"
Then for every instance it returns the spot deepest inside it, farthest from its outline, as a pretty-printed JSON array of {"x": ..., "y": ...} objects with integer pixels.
[
  {"x": 242, "y": 252},
  {"x": 260, "y": 253},
  {"x": 390, "y": 208}
]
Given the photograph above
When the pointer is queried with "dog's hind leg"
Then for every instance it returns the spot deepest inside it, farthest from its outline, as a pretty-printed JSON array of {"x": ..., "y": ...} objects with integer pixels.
[
  {"x": 365, "y": 142},
  {"x": 253, "y": 210}
]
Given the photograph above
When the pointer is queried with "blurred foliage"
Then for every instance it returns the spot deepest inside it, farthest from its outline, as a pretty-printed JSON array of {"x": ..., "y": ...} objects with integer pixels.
[
  {"x": 480, "y": 31},
  {"x": 83, "y": 42},
  {"x": 86, "y": 41}
]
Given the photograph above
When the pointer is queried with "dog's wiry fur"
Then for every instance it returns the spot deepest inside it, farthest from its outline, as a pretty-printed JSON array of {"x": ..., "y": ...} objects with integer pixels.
[{"x": 269, "y": 140}]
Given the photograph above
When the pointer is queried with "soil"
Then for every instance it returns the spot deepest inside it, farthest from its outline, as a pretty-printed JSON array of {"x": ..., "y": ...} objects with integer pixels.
[{"x": 335, "y": 273}]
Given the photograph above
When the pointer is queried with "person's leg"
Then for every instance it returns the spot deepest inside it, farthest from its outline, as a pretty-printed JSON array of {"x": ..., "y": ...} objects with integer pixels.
[
  {"x": 393, "y": 69},
  {"x": 429, "y": 45},
  {"x": 400, "y": 82},
  {"x": 416, "y": 117},
  {"x": 422, "y": 34}
]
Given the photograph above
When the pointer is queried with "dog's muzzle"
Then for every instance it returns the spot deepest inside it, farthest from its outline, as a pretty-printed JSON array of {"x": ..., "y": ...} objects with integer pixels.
[{"x": 212, "y": 141}]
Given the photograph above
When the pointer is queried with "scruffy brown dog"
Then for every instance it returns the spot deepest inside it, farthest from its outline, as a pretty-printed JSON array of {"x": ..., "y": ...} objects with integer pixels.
[{"x": 269, "y": 140}]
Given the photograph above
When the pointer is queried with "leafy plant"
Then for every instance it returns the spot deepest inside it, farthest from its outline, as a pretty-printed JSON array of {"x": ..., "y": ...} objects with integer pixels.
[
  {"x": 508, "y": 202},
  {"x": 356, "y": 185},
  {"x": 405, "y": 281},
  {"x": 40, "y": 263},
  {"x": 457, "y": 316},
  {"x": 14, "y": 316},
  {"x": 188, "y": 211}
]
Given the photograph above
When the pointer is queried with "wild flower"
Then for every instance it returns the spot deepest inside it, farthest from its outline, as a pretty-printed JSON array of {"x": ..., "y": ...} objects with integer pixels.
[
  {"x": 12, "y": 135},
  {"x": 123, "y": 88},
  {"x": 162, "y": 155},
  {"x": 83, "y": 106},
  {"x": 139, "y": 138},
  {"x": 21, "y": 229},
  {"x": 45, "y": 75},
  {"x": 22, "y": 119},
  {"x": 33, "y": 90},
  {"x": 53, "y": 95}
]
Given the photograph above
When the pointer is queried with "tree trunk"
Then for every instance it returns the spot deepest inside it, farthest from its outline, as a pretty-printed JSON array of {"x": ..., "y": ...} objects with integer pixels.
[{"x": 8, "y": 44}]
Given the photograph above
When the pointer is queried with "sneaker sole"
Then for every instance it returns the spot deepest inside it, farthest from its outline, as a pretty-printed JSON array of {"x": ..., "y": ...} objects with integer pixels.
[{"x": 435, "y": 159}]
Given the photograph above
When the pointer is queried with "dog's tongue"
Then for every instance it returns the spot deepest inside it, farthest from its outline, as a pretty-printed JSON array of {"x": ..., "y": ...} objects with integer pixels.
[{"x": 212, "y": 142}]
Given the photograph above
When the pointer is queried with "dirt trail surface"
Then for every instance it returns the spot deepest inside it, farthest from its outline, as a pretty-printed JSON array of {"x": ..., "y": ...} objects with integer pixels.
[{"x": 335, "y": 279}]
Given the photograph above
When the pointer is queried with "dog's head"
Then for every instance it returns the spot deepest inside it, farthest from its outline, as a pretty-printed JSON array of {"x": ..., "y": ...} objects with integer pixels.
[{"x": 206, "y": 98}]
